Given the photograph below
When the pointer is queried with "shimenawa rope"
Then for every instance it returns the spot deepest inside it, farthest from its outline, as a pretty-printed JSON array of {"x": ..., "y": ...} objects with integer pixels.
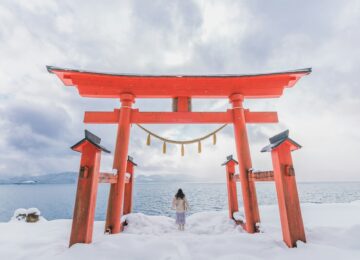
[{"x": 182, "y": 143}]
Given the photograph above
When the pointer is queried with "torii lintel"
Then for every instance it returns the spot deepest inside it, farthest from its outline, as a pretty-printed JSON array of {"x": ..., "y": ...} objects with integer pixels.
[{"x": 106, "y": 85}]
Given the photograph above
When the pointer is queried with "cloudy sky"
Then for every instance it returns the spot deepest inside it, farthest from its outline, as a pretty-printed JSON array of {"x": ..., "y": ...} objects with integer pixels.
[{"x": 40, "y": 118}]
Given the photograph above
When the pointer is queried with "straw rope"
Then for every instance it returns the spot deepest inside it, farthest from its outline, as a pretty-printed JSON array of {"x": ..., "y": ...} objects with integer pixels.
[
  {"x": 150, "y": 133},
  {"x": 182, "y": 143}
]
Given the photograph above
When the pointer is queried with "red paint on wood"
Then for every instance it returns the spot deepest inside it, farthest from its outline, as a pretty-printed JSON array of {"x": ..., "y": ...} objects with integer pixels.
[
  {"x": 116, "y": 196},
  {"x": 160, "y": 117},
  {"x": 261, "y": 176},
  {"x": 85, "y": 202},
  {"x": 243, "y": 152},
  {"x": 92, "y": 117},
  {"x": 100, "y": 85},
  {"x": 231, "y": 188},
  {"x": 107, "y": 178},
  {"x": 102, "y": 117},
  {"x": 287, "y": 194},
  {"x": 260, "y": 117},
  {"x": 129, "y": 189},
  {"x": 110, "y": 219},
  {"x": 183, "y": 104},
  {"x": 181, "y": 117}
]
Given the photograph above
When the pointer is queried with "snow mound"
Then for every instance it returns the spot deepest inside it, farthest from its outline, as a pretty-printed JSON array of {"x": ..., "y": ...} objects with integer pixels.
[
  {"x": 198, "y": 223},
  {"x": 211, "y": 223},
  {"x": 139, "y": 223}
]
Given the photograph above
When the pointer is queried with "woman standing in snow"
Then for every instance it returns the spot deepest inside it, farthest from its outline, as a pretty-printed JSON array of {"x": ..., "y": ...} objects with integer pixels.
[{"x": 181, "y": 205}]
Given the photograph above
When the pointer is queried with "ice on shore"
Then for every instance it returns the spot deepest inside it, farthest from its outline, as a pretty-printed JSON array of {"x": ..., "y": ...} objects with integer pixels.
[{"x": 332, "y": 231}]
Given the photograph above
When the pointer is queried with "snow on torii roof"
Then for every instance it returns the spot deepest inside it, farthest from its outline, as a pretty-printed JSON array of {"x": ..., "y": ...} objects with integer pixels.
[
  {"x": 229, "y": 158},
  {"x": 278, "y": 139},
  {"x": 93, "y": 139},
  {"x": 107, "y": 85}
]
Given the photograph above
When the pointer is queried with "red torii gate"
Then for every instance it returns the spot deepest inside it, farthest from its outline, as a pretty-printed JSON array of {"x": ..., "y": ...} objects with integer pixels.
[{"x": 181, "y": 89}]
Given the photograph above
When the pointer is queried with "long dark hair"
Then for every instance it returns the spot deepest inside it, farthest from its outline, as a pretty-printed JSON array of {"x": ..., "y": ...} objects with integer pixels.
[{"x": 180, "y": 194}]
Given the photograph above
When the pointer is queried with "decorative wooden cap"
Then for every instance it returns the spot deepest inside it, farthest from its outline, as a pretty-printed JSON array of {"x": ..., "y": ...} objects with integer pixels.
[
  {"x": 91, "y": 138},
  {"x": 279, "y": 139},
  {"x": 229, "y": 159},
  {"x": 130, "y": 159}
]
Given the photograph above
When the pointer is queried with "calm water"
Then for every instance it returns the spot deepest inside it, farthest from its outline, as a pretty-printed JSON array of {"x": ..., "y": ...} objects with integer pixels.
[{"x": 57, "y": 201}]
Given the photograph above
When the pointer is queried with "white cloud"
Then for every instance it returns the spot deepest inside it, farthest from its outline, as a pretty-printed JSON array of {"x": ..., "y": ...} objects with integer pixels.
[
  {"x": 64, "y": 23},
  {"x": 180, "y": 37},
  {"x": 225, "y": 21}
]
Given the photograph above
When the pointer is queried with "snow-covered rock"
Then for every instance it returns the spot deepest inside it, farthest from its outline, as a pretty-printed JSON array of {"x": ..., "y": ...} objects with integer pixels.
[
  {"x": 19, "y": 215},
  {"x": 30, "y": 215},
  {"x": 33, "y": 215},
  {"x": 34, "y": 211}
]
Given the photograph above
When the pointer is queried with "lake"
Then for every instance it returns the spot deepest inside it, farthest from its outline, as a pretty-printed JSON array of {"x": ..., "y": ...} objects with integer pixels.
[{"x": 56, "y": 201}]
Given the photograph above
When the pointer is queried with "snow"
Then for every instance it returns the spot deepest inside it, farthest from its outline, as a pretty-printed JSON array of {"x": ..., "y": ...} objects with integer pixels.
[
  {"x": 332, "y": 233},
  {"x": 239, "y": 216},
  {"x": 34, "y": 211},
  {"x": 20, "y": 214}
]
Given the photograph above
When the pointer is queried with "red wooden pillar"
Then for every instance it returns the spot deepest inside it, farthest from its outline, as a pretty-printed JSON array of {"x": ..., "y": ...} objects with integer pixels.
[
  {"x": 110, "y": 208},
  {"x": 284, "y": 175},
  {"x": 251, "y": 209},
  {"x": 85, "y": 202},
  {"x": 116, "y": 196},
  {"x": 231, "y": 185},
  {"x": 129, "y": 186}
]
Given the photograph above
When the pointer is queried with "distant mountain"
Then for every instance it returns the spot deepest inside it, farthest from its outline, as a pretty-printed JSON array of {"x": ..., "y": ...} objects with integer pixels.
[
  {"x": 71, "y": 178},
  {"x": 164, "y": 178},
  {"x": 54, "y": 178}
]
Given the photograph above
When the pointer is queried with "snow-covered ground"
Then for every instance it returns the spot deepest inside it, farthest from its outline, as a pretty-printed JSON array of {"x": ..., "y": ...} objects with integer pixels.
[{"x": 333, "y": 232}]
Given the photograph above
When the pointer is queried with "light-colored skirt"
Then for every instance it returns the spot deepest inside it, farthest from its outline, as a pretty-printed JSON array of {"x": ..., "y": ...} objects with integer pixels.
[{"x": 180, "y": 218}]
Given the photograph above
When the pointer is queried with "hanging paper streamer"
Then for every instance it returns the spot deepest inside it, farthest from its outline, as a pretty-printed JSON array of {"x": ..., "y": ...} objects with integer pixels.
[
  {"x": 164, "y": 147},
  {"x": 182, "y": 150},
  {"x": 148, "y": 139},
  {"x": 214, "y": 138},
  {"x": 199, "y": 147}
]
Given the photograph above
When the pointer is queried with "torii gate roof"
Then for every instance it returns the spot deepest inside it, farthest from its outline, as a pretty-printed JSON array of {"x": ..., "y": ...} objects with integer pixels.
[{"x": 106, "y": 85}]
